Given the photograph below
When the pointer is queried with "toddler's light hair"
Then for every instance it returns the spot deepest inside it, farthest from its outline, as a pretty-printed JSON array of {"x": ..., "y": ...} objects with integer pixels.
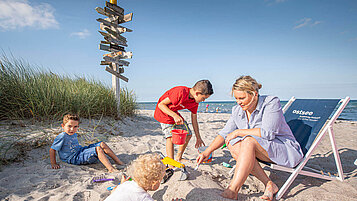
[{"x": 146, "y": 169}]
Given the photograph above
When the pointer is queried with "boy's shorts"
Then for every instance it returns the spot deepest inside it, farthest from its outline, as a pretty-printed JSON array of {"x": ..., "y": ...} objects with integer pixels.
[
  {"x": 86, "y": 155},
  {"x": 166, "y": 128}
]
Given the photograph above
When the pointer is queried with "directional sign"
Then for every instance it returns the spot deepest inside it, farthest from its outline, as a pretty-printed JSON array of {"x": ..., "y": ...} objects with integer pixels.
[
  {"x": 113, "y": 39},
  {"x": 115, "y": 8},
  {"x": 102, "y": 11},
  {"x": 120, "y": 54},
  {"x": 111, "y": 48},
  {"x": 119, "y": 30},
  {"x": 113, "y": 17},
  {"x": 116, "y": 74},
  {"x": 116, "y": 35},
  {"x": 113, "y": 12},
  {"x": 117, "y": 66},
  {"x": 107, "y": 22},
  {"x": 116, "y": 60}
]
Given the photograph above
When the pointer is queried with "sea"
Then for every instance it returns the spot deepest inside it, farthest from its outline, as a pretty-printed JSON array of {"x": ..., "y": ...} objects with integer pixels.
[{"x": 349, "y": 113}]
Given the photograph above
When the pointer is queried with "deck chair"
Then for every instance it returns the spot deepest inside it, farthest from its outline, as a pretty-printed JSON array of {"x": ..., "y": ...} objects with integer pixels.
[{"x": 309, "y": 121}]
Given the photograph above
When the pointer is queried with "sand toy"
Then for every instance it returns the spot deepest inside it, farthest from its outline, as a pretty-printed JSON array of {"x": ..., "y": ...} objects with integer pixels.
[
  {"x": 101, "y": 178},
  {"x": 179, "y": 135},
  {"x": 169, "y": 161}
]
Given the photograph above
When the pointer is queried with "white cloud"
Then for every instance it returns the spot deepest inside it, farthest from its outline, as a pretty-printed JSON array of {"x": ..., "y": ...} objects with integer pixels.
[
  {"x": 81, "y": 34},
  {"x": 306, "y": 22},
  {"x": 16, "y": 14}
]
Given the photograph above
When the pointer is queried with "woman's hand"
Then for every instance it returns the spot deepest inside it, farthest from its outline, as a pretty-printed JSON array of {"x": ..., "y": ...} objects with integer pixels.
[
  {"x": 202, "y": 157},
  {"x": 231, "y": 136}
]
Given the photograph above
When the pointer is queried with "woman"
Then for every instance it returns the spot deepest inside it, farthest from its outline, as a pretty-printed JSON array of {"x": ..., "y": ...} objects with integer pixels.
[{"x": 256, "y": 130}]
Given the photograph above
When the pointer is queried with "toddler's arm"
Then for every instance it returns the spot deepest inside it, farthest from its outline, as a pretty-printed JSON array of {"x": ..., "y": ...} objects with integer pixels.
[{"x": 53, "y": 159}]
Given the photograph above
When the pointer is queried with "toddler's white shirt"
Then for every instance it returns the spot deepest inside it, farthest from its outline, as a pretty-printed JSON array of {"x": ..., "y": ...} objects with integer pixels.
[{"x": 129, "y": 191}]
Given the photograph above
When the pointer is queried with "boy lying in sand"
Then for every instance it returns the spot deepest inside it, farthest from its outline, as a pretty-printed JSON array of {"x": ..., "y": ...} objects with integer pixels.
[{"x": 69, "y": 150}]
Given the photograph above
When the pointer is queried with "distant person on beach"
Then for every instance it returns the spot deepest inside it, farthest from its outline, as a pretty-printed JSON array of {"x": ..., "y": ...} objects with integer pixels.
[
  {"x": 69, "y": 150},
  {"x": 147, "y": 172},
  {"x": 166, "y": 112},
  {"x": 207, "y": 107},
  {"x": 256, "y": 130}
]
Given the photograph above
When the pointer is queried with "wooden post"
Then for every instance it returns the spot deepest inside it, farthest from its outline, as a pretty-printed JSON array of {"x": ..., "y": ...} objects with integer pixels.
[
  {"x": 116, "y": 86},
  {"x": 115, "y": 79}
]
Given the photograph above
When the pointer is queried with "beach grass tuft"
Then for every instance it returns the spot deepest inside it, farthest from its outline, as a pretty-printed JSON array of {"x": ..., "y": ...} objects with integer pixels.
[{"x": 29, "y": 92}]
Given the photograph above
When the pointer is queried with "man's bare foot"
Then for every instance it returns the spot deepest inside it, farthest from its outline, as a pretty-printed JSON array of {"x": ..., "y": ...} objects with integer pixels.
[
  {"x": 228, "y": 193},
  {"x": 270, "y": 190}
]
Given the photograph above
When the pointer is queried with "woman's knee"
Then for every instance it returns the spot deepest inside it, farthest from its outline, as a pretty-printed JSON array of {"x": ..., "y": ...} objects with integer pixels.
[
  {"x": 234, "y": 150},
  {"x": 249, "y": 142}
]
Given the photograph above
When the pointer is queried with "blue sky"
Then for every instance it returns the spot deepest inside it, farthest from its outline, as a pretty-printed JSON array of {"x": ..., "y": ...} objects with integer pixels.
[{"x": 301, "y": 48}]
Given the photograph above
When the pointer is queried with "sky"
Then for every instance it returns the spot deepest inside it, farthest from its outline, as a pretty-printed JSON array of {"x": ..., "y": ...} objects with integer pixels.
[{"x": 301, "y": 48}]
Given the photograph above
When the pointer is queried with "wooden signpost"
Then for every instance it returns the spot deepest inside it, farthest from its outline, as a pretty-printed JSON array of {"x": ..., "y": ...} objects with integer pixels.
[{"x": 114, "y": 43}]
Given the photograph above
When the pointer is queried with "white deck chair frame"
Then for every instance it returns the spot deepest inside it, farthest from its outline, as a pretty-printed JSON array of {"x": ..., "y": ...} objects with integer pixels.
[{"x": 327, "y": 128}]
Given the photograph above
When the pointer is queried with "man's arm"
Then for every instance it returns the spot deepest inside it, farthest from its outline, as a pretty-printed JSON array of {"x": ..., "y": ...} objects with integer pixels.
[
  {"x": 199, "y": 141},
  {"x": 163, "y": 107},
  {"x": 53, "y": 159}
]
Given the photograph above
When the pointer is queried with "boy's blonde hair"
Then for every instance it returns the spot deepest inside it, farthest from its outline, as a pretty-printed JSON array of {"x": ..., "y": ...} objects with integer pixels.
[
  {"x": 68, "y": 117},
  {"x": 146, "y": 169}
]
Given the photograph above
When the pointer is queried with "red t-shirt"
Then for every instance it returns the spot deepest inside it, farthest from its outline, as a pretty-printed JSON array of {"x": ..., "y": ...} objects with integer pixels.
[{"x": 180, "y": 99}]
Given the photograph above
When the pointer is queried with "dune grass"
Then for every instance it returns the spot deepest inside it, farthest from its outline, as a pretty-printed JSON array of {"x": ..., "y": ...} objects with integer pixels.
[{"x": 29, "y": 92}]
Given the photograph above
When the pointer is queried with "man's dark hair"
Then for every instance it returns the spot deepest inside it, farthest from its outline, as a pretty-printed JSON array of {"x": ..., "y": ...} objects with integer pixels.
[{"x": 204, "y": 86}]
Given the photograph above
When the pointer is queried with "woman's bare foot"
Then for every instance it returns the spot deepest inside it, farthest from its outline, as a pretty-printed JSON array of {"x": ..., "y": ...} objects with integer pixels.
[
  {"x": 228, "y": 193},
  {"x": 270, "y": 190}
]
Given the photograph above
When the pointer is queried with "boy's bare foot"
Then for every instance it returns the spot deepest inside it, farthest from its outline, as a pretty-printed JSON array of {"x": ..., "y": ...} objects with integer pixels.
[
  {"x": 228, "y": 193},
  {"x": 112, "y": 170},
  {"x": 182, "y": 160},
  {"x": 118, "y": 167},
  {"x": 270, "y": 190}
]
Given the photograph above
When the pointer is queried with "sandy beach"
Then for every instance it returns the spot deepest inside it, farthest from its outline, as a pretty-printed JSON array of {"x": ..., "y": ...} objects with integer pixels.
[{"x": 33, "y": 178}]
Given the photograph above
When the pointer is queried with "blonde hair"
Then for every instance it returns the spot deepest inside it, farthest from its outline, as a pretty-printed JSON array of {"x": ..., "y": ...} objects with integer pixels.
[
  {"x": 68, "y": 117},
  {"x": 146, "y": 169},
  {"x": 247, "y": 84}
]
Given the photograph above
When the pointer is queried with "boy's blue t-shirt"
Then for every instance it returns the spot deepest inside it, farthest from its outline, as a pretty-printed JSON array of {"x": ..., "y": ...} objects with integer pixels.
[{"x": 66, "y": 145}]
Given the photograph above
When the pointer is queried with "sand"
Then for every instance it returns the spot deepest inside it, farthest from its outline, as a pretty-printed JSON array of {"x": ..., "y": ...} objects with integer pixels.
[{"x": 33, "y": 178}]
